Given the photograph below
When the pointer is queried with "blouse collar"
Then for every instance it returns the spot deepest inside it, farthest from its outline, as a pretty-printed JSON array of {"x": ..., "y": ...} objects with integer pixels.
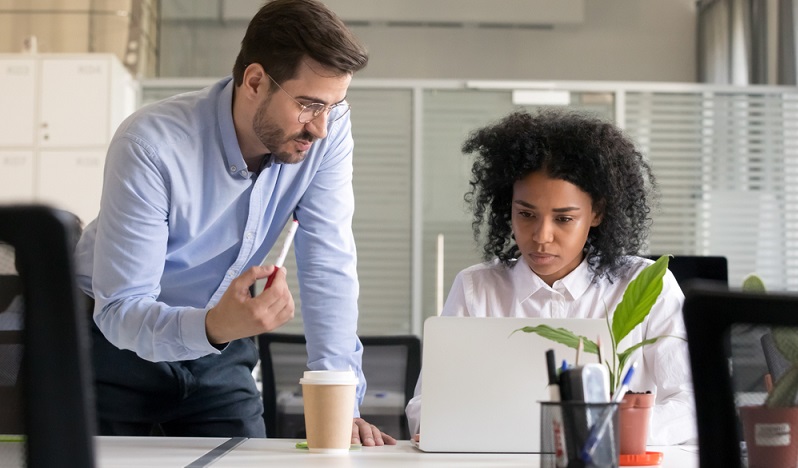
[{"x": 527, "y": 283}]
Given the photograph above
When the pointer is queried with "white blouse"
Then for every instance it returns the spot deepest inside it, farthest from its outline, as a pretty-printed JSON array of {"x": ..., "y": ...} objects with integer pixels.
[{"x": 493, "y": 290}]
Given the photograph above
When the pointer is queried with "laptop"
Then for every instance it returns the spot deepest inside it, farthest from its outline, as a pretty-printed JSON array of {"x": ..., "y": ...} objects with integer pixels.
[{"x": 482, "y": 384}]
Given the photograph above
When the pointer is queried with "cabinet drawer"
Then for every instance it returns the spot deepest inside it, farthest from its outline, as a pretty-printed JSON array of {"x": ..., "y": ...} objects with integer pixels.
[
  {"x": 16, "y": 176},
  {"x": 72, "y": 180}
]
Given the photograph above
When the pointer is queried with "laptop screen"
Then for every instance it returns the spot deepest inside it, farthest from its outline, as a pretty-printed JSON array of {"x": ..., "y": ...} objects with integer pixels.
[{"x": 482, "y": 384}]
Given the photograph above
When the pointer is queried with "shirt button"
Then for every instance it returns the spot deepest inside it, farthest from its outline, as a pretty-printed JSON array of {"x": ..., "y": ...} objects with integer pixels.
[
  {"x": 233, "y": 168},
  {"x": 249, "y": 236},
  {"x": 244, "y": 173},
  {"x": 231, "y": 273}
]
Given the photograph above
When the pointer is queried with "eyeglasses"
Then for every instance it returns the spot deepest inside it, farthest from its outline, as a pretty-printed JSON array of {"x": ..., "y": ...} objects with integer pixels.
[{"x": 309, "y": 112}]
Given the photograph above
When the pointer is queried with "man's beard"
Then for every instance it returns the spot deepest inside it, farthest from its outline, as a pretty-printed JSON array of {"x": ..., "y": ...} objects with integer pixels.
[{"x": 273, "y": 137}]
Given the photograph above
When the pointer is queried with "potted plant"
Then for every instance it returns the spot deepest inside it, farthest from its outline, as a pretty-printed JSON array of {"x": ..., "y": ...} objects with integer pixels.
[
  {"x": 639, "y": 297},
  {"x": 771, "y": 430}
]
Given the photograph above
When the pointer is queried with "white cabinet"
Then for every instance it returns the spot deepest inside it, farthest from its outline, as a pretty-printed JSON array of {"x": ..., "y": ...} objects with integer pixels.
[
  {"x": 82, "y": 188},
  {"x": 17, "y": 102},
  {"x": 58, "y": 113},
  {"x": 16, "y": 175}
]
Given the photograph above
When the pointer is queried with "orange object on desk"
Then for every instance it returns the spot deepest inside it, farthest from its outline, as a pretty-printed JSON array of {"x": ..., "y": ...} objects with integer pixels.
[{"x": 641, "y": 459}]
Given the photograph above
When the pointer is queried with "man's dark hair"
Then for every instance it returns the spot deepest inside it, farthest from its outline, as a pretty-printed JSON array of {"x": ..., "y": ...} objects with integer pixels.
[{"x": 283, "y": 32}]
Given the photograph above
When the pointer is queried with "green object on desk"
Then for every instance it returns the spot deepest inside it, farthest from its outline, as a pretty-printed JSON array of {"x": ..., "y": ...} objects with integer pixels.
[
  {"x": 304, "y": 446},
  {"x": 12, "y": 438}
]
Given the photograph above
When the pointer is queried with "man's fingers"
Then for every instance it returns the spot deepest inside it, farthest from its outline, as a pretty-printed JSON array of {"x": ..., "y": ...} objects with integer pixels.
[
  {"x": 387, "y": 440},
  {"x": 369, "y": 435},
  {"x": 246, "y": 279}
]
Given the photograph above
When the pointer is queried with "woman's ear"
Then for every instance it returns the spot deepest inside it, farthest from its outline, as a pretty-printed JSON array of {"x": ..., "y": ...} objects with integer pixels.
[{"x": 598, "y": 214}]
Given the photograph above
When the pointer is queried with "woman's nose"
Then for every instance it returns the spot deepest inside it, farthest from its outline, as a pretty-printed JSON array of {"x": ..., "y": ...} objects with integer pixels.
[{"x": 543, "y": 232}]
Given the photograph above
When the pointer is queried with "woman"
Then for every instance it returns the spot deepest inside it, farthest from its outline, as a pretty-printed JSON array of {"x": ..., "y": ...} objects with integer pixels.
[{"x": 561, "y": 202}]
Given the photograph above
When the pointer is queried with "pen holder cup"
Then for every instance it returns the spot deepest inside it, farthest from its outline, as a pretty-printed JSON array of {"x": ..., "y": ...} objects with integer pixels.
[{"x": 567, "y": 427}]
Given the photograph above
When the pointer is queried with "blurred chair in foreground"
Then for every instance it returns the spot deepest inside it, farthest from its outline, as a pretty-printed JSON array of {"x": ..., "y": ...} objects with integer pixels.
[
  {"x": 44, "y": 344},
  {"x": 712, "y": 316}
]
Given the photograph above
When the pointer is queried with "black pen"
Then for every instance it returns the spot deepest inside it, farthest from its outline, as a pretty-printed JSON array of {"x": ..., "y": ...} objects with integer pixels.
[{"x": 552, "y": 367}]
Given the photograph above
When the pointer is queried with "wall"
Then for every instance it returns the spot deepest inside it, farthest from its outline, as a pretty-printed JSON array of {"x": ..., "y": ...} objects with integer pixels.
[
  {"x": 126, "y": 28},
  {"x": 622, "y": 40}
]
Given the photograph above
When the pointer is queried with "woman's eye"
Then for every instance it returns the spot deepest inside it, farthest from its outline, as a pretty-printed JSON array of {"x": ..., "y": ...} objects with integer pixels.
[{"x": 565, "y": 219}]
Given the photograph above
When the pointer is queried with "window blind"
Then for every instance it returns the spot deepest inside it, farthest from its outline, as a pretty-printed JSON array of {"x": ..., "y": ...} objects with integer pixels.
[
  {"x": 381, "y": 128},
  {"x": 726, "y": 165}
]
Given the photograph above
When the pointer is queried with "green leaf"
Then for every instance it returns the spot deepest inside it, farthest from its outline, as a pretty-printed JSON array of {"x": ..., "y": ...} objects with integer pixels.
[
  {"x": 612, "y": 367},
  {"x": 753, "y": 283},
  {"x": 784, "y": 390},
  {"x": 562, "y": 336},
  {"x": 611, "y": 372},
  {"x": 786, "y": 339},
  {"x": 639, "y": 298}
]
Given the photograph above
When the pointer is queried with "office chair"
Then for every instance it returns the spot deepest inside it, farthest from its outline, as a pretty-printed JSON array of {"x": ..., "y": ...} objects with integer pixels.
[
  {"x": 10, "y": 354},
  {"x": 53, "y": 371},
  {"x": 687, "y": 268},
  {"x": 711, "y": 314},
  {"x": 389, "y": 363}
]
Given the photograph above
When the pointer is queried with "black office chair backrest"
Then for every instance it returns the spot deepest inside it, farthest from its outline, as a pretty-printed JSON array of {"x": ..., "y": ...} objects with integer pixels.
[
  {"x": 389, "y": 362},
  {"x": 54, "y": 374},
  {"x": 712, "y": 315},
  {"x": 687, "y": 268},
  {"x": 11, "y": 345}
]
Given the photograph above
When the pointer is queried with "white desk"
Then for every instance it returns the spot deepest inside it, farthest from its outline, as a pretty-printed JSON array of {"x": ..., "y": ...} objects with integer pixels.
[
  {"x": 176, "y": 452},
  {"x": 167, "y": 452}
]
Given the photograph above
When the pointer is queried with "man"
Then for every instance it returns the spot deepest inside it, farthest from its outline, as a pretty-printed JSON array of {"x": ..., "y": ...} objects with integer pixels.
[{"x": 197, "y": 189}]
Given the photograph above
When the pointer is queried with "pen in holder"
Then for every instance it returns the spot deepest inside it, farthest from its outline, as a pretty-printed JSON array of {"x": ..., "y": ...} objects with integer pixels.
[{"x": 575, "y": 420}]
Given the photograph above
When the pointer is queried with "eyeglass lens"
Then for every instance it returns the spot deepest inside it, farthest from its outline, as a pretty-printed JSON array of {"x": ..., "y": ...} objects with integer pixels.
[{"x": 311, "y": 111}]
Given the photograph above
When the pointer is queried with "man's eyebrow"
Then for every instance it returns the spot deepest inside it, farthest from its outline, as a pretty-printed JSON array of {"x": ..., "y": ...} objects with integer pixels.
[
  {"x": 565, "y": 209},
  {"x": 316, "y": 100}
]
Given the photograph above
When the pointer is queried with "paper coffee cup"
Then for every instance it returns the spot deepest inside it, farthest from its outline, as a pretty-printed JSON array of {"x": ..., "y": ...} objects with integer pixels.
[{"x": 329, "y": 399}]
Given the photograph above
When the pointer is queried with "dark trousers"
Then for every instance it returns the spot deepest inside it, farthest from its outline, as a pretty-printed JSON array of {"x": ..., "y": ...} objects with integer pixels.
[{"x": 213, "y": 396}]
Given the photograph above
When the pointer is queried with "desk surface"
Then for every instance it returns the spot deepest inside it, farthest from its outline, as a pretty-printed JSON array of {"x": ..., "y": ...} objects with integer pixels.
[
  {"x": 167, "y": 452},
  {"x": 175, "y": 452}
]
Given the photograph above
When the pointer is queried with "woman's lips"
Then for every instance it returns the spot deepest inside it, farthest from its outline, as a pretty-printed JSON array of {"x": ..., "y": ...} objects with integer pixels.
[{"x": 542, "y": 258}]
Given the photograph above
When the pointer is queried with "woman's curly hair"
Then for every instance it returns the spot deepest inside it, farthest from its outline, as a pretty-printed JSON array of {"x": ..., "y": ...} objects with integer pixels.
[{"x": 592, "y": 154}]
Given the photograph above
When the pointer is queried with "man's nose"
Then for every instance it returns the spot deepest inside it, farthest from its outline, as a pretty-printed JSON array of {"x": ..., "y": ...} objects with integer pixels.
[{"x": 318, "y": 126}]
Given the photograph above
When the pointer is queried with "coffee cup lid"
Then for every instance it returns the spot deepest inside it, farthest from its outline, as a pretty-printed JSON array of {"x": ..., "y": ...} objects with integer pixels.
[{"x": 329, "y": 377}]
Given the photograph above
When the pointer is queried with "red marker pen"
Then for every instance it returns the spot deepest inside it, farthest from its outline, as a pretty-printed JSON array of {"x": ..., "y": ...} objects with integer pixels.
[{"x": 283, "y": 253}]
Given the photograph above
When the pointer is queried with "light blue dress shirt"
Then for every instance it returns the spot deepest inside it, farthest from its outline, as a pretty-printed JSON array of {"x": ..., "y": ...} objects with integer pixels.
[{"x": 181, "y": 217}]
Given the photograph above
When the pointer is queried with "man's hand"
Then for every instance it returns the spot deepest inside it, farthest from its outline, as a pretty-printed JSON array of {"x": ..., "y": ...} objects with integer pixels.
[
  {"x": 368, "y": 434},
  {"x": 238, "y": 315}
]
